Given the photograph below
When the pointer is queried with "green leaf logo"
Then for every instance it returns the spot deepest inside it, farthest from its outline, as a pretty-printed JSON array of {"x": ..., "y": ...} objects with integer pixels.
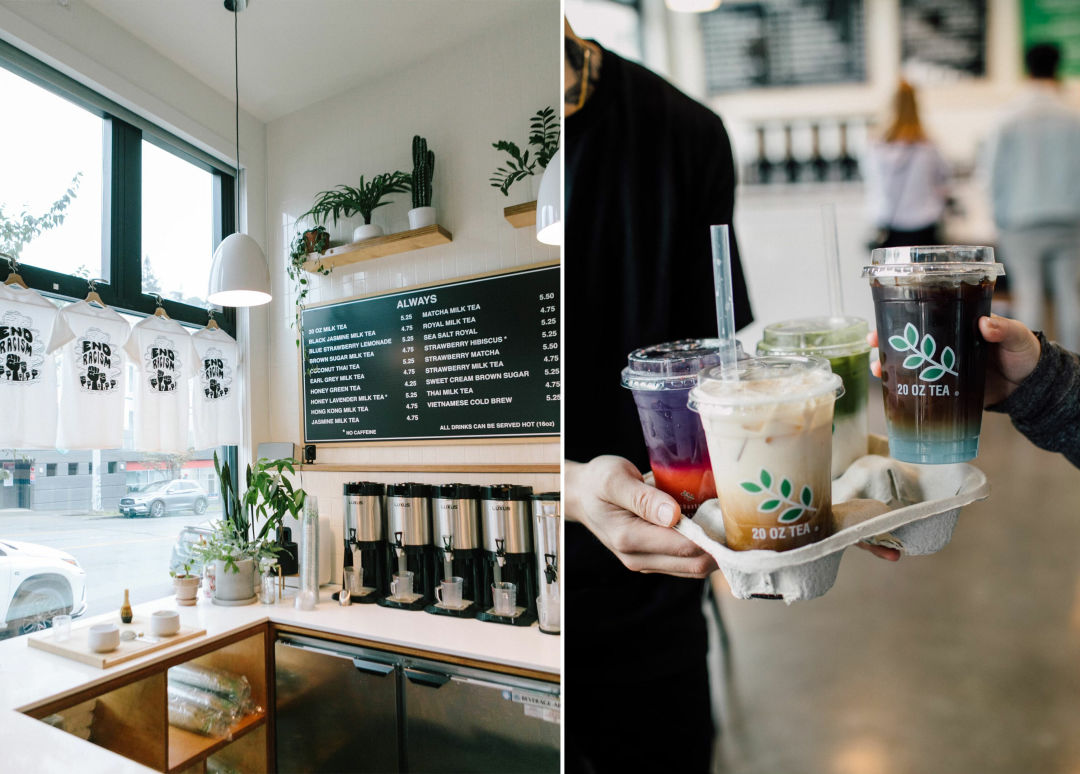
[
  {"x": 781, "y": 498},
  {"x": 924, "y": 354}
]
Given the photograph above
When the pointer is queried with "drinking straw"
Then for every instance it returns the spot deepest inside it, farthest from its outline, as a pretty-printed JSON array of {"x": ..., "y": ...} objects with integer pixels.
[
  {"x": 832, "y": 260},
  {"x": 725, "y": 305}
]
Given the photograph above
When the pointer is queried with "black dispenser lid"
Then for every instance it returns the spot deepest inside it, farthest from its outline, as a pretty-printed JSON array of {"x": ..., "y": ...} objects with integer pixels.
[
  {"x": 456, "y": 491},
  {"x": 408, "y": 489},
  {"x": 364, "y": 488},
  {"x": 547, "y": 496},
  {"x": 506, "y": 492}
]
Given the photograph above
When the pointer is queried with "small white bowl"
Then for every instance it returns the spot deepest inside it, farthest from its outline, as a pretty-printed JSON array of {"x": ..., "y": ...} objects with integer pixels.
[
  {"x": 164, "y": 623},
  {"x": 103, "y": 637}
]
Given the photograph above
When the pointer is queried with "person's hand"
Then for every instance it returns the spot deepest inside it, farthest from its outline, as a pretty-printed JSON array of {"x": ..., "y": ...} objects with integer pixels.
[
  {"x": 881, "y": 552},
  {"x": 1014, "y": 353},
  {"x": 609, "y": 497}
]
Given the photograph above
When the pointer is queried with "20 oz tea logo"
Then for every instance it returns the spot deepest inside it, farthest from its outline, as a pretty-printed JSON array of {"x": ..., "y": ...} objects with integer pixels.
[
  {"x": 779, "y": 498},
  {"x": 923, "y": 354}
]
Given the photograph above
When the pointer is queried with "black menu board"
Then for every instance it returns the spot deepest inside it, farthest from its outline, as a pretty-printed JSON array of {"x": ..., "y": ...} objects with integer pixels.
[
  {"x": 943, "y": 39},
  {"x": 477, "y": 358},
  {"x": 761, "y": 43}
]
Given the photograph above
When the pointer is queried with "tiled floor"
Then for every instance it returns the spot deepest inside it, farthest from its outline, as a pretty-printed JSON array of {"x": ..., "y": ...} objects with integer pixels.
[{"x": 965, "y": 661}]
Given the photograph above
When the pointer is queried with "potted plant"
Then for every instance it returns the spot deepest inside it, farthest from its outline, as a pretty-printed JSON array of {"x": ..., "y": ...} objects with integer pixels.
[
  {"x": 238, "y": 541},
  {"x": 422, "y": 214},
  {"x": 186, "y": 583},
  {"x": 346, "y": 201},
  {"x": 313, "y": 240},
  {"x": 543, "y": 138}
]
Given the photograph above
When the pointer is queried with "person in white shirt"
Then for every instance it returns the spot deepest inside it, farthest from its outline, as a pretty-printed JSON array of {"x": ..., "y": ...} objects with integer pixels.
[
  {"x": 1032, "y": 162},
  {"x": 906, "y": 179}
]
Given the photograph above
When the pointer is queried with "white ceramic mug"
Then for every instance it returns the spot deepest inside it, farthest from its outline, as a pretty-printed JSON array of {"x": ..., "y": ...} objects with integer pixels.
[
  {"x": 401, "y": 585},
  {"x": 504, "y": 595},
  {"x": 448, "y": 593},
  {"x": 164, "y": 623},
  {"x": 103, "y": 637}
]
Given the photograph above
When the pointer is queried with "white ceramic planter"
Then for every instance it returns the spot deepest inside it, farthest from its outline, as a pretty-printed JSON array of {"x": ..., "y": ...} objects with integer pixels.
[
  {"x": 187, "y": 589},
  {"x": 367, "y": 231},
  {"x": 421, "y": 217},
  {"x": 235, "y": 586}
]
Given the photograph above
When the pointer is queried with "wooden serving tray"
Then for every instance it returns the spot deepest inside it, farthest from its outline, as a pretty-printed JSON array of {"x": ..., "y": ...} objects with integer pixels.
[{"x": 77, "y": 646}]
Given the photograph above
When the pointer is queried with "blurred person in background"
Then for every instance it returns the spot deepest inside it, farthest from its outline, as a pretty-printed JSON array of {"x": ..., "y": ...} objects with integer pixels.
[
  {"x": 1032, "y": 165},
  {"x": 906, "y": 179}
]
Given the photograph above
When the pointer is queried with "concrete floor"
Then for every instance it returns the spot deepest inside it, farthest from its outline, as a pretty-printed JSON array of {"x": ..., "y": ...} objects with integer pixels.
[{"x": 964, "y": 661}]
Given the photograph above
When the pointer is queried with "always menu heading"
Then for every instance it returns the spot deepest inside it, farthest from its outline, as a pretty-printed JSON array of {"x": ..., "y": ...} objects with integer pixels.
[{"x": 472, "y": 359}]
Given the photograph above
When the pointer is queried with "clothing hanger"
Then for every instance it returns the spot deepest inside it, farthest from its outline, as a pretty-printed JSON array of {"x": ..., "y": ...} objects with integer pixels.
[
  {"x": 13, "y": 277},
  {"x": 92, "y": 297},
  {"x": 211, "y": 324},
  {"x": 160, "y": 311}
]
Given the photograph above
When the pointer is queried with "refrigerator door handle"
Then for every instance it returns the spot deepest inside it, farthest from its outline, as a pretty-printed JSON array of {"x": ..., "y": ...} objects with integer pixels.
[
  {"x": 372, "y": 667},
  {"x": 430, "y": 679}
]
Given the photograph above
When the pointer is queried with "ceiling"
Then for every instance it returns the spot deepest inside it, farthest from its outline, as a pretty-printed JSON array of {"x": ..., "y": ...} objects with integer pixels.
[{"x": 294, "y": 53}]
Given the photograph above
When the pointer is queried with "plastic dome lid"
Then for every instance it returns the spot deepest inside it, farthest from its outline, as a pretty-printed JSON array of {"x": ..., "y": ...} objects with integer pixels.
[
  {"x": 765, "y": 380},
  {"x": 673, "y": 365},
  {"x": 933, "y": 260},
  {"x": 821, "y": 336}
]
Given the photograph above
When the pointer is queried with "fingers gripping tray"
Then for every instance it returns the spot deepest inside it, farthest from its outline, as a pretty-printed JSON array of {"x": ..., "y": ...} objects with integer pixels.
[{"x": 912, "y": 508}]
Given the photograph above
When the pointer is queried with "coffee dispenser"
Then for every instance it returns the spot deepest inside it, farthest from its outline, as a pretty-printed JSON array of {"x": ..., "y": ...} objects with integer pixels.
[
  {"x": 410, "y": 572},
  {"x": 458, "y": 553},
  {"x": 546, "y": 515},
  {"x": 508, "y": 589},
  {"x": 365, "y": 539}
]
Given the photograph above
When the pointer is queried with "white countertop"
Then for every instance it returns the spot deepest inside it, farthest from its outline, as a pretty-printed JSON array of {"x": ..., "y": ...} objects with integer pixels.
[{"x": 30, "y": 676}]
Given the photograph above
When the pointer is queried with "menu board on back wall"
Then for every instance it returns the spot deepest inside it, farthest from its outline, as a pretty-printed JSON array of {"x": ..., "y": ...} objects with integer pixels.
[{"x": 477, "y": 358}]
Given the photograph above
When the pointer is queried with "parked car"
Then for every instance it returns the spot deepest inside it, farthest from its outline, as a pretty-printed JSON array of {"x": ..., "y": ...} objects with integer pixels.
[
  {"x": 36, "y": 583},
  {"x": 160, "y": 497}
]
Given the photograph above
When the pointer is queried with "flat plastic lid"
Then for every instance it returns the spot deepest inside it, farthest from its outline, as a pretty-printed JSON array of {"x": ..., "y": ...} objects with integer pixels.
[
  {"x": 673, "y": 365},
  {"x": 408, "y": 489},
  {"x": 765, "y": 380},
  {"x": 505, "y": 492},
  {"x": 364, "y": 488},
  {"x": 821, "y": 336},
  {"x": 456, "y": 492},
  {"x": 933, "y": 259}
]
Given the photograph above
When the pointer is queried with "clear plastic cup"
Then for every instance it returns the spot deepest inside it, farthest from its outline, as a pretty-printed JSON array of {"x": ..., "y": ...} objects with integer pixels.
[
  {"x": 402, "y": 585},
  {"x": 61, "y": 627},
  {"x": 660, "y": 378},
  {"x": 928, "y": 301},
  {"x": 448, "y": 592},
  {"x": 842, "y": 341},
  {"x": 504, "y": 596},
  {"x": 770, "y": 441}
]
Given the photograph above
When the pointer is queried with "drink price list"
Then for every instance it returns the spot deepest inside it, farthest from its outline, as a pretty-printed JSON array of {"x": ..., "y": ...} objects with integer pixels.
[{"x": 471, "y": 359}]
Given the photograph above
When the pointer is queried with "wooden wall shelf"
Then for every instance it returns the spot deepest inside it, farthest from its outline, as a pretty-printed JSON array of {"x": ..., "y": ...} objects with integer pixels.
[
  {"x": 521, "y": 215},
  {"x": 379, "y": 247}
]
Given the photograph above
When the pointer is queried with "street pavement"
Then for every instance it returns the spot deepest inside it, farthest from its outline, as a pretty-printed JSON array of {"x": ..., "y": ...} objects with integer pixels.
[{"x": 117, "y": 552}]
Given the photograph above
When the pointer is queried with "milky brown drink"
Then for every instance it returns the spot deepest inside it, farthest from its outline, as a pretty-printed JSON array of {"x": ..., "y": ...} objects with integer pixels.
[
  {"x": 770, "y": 441},
  {"x": 928, "y": 301}
]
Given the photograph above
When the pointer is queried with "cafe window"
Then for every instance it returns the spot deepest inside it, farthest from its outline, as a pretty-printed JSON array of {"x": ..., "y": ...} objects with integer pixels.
[{"x": 144, "y": 216}]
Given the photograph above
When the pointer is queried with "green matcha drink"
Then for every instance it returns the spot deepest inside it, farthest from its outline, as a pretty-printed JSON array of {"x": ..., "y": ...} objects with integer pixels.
[{"x": 841, "y": 340}]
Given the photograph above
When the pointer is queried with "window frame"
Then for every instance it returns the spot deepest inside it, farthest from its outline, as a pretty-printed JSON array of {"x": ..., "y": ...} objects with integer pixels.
[{"x": 121, "y": 246}]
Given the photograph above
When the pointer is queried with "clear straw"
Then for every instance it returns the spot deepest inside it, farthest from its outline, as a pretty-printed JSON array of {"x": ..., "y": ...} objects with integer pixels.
[
  {"x": 725, "y": 305},
  {"x": 832, "y": 260}
]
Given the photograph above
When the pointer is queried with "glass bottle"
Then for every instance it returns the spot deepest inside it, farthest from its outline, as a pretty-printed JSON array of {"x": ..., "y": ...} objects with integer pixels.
[{"x": 125, "y": 609}]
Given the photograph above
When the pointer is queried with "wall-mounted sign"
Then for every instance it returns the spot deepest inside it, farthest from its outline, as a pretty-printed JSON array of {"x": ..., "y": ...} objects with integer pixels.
[
  {"x": 1054, "y": 21},
  {"x": 942, "y": 40},
  {"x": 477, "y": 358},
  {"x": 762, "y": 43}
]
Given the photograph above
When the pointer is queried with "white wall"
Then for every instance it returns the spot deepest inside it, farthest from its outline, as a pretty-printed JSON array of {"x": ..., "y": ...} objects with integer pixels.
[
  {"x": 92, "y": 49},
  {"x": 461, "y": 101}
]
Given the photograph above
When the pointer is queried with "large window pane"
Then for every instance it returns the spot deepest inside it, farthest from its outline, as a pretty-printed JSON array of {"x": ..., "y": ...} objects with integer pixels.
[
  {"x": 177, "y": 226},
  {"x": 51, "y": 167}
]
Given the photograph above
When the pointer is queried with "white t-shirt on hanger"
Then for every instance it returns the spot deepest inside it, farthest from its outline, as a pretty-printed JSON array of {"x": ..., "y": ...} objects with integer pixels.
[
  {"x": 161, "y": 351},
  {"x": 30, "y": 331},
  {"x": 92, "y": 378},
  {"x": 215, "y": 405}
]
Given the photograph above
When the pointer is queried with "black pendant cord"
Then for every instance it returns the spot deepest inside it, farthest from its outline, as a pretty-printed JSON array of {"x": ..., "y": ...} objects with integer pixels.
[{"x": 236, "y": 84}]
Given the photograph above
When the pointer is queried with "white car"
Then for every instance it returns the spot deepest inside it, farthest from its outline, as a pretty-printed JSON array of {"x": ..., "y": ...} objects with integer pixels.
[{"x": 36, "y": 583}]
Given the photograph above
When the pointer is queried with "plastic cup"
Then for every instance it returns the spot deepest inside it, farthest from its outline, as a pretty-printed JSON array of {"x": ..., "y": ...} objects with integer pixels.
[
  {"x": 842, "y": 341},
  {"x": 504, "y": 596},
  {"x": 401, "y": 585},
  {"x": 354, "y": 581},
  {"x": 660, "y": 378},
  {"x": 61, "y": 626},
  {"x": 448, "y": 592},
  {"x": 770, "y": 440},
  {"x": 928, "y": 301}
]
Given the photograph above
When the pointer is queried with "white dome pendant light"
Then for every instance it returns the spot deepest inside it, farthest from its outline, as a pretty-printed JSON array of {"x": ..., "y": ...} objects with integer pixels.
[
  {"x": 239, "y": 275},
  {"x": 549, "y": 226},
  {"x": 693, "y": 6}
]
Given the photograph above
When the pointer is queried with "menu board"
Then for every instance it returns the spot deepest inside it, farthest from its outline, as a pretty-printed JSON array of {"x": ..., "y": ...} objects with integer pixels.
[
  {"x": 1055, "y": 21},
  {"x": 478, "y": 358},
  {"x": 760, "y": 43},
  {"x": 942, "y": 40}
]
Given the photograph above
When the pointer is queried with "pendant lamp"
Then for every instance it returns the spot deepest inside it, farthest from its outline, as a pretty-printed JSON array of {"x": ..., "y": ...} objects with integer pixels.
[
  {"x": 549, "y": 226},
  {"x": 239, "y": 275},
  {"x": 693, "y": 6}
]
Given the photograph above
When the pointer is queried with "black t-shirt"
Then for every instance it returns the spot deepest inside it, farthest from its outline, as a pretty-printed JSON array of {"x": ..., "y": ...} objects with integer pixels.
[{"x": 648, "y": 170}]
